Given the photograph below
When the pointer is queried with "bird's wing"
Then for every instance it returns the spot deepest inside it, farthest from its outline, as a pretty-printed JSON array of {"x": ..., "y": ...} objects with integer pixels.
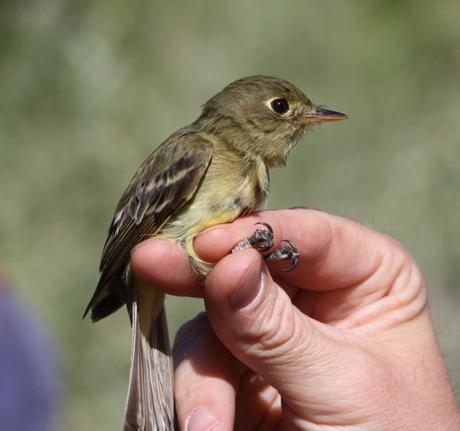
[{"x": 166, "y": 180}]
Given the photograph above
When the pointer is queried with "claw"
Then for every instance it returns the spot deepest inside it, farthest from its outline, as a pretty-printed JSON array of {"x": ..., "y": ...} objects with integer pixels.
[
  {"x": 285, "y": 252},
  {"x": 261, "y": 240},
  {"x": 269, "y": 228}
]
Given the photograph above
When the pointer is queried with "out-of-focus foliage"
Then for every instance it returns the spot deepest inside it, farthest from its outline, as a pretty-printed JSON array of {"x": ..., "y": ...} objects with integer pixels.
[{"x": 89, "y": 88}]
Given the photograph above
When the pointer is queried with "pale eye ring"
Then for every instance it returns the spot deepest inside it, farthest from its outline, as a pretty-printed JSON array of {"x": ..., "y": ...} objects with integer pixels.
[{"x": 279, "y": 105}]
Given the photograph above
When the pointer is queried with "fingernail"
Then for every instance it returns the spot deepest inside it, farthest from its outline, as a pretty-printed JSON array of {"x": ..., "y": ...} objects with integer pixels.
[
  {"x": 201, "y": 420},
  {"x": 248, "y": 288},
  {"x": 211, "y": 229},
  {"x": 147, "y": 243},
  {"x": 209, "y": 235},
  {"x": 140, "y": 246}
]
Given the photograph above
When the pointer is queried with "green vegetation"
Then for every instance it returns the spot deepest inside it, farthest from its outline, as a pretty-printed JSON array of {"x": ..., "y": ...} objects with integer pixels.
[{"x": 89, "y": 88}]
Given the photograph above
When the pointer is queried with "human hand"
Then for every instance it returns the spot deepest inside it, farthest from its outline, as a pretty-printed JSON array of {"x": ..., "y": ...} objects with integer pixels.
[{"x": 345, "y": 341}]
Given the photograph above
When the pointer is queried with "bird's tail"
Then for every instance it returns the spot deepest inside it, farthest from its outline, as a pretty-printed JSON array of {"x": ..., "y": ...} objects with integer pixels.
[{"x": 150, "y": 403}]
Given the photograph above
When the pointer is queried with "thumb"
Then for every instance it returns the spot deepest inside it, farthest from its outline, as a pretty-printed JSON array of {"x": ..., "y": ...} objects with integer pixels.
[{"x": 256, "y": 320}]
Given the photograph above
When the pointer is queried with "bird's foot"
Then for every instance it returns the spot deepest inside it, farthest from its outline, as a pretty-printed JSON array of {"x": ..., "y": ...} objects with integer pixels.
[
  {"x": 262, "y": 241},
  {"x": 288, "y": 251}
]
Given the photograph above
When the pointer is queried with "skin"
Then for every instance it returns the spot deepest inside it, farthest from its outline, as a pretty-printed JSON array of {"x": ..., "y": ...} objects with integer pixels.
[{"x": 343, "y": 342}]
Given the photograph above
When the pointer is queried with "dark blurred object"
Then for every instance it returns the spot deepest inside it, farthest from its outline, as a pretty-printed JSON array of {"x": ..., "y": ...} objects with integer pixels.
[{"x": 28, "y": 368}]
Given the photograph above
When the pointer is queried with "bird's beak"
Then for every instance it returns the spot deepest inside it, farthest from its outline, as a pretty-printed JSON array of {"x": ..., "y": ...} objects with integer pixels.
[{"x": 321, "y": 115}]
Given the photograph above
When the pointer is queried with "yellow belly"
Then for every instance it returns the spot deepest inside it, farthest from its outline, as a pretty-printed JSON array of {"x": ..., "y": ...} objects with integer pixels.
[{"x": 224, "y": 195}]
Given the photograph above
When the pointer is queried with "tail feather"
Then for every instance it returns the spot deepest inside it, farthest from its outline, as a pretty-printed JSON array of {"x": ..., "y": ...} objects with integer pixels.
[
  {"x": 150, "y": 403},
  {"x": 108, "y": 297}
]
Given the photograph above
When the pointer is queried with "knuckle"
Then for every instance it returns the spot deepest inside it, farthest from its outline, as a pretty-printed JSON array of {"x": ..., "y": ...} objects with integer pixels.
[
  {"x": 403, "y": 269},
  {"x": 276, "y": 331},
  {"x": 400, "y": 253}
]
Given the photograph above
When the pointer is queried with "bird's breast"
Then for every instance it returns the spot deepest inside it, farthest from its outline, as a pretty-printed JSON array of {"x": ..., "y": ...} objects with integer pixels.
[{"x": 230, "y": 188}]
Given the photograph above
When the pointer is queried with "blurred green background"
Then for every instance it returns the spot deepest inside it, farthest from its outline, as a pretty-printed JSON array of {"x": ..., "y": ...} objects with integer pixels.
[{"x": 89, "y": 88}]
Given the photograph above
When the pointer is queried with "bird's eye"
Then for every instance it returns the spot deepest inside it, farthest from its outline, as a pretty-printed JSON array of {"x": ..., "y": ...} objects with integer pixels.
[{"x": 280, "y": 106}]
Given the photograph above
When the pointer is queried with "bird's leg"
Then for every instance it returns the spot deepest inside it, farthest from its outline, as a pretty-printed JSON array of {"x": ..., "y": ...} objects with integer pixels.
[
  {"x": 261, "y": 240},
  {"x": 287, "y": 251}
]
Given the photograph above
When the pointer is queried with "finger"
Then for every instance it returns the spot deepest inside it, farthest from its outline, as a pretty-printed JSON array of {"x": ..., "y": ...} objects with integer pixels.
[
  {"x": 163, "y": 264},
  {"x": 334, "y": 252},
  {"x": 257, "y": 322},
  {"x": 206, "y": 377},
  {"x": 258, "y": 405}
]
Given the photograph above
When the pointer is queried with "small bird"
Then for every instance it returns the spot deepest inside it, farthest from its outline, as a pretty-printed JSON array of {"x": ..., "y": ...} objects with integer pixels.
[{"x": 207, "y": 173}]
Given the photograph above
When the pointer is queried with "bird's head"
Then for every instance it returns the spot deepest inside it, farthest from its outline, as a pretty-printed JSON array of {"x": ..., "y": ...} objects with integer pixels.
[{"x": 263, "y": 116}]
